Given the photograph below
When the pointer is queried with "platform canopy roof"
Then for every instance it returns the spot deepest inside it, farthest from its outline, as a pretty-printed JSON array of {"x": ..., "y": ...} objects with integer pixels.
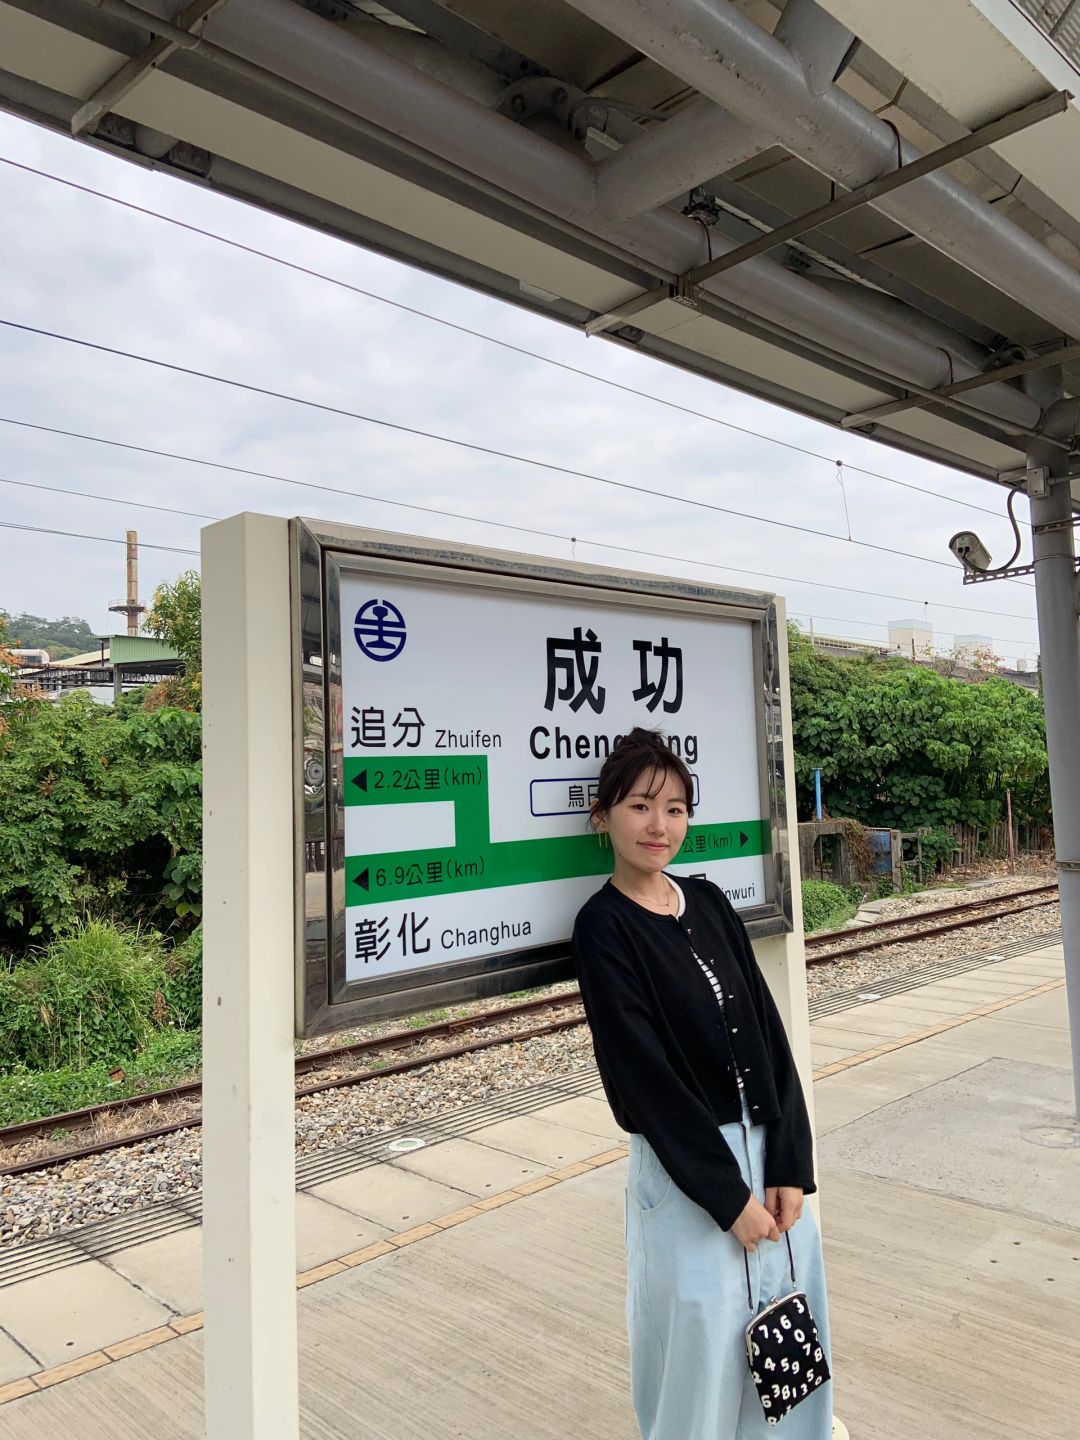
[{"x": 867, "y": 212}]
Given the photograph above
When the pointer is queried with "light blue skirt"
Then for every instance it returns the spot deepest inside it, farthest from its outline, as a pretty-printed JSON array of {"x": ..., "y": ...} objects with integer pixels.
[{"x": 686, "y": 1307}]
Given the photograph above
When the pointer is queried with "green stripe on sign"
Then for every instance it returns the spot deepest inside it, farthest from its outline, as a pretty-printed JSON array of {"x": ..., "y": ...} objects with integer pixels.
[{"x": 474, "y": 862}]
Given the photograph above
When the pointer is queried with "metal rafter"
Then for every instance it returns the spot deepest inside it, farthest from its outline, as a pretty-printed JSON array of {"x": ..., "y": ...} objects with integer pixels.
[
  {"x": 1064, "y": 356},
  {"x": 139, "y": 66},
  {"x": 990, "y": 134}
]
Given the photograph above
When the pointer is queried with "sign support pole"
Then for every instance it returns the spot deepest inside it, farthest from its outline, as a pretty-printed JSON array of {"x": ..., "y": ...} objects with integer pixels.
[{"x": 249, "y": 1203}]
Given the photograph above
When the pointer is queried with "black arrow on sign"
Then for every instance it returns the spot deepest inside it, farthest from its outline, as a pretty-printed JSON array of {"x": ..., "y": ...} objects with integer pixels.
[
  {"x": 743, "y": 838},
  {"x": 360, "y": 780},
  {"x": 363, "y": 879}
]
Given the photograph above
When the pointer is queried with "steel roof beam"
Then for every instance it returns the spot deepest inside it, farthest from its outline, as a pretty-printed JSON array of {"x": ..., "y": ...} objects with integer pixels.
[
  {"x": 292, "y": 58},
  {"x": 1064, "y": 356},
  {"x": 723, "y": 54},
  {"x": 989, "y": 134},
  {"x": 139, "y": 66}
]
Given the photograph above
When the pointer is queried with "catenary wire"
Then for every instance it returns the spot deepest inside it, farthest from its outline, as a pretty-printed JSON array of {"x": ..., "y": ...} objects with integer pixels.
[
  {"x": 81, "y": 535},
  {"x": 478, "y": 520},
  {"x": 546, "y": 534},
  {"x": 489, "y": 339},
  {"x": 108, "y": 499},
  {"x": 470, "y": 445},
  {"x": 180, "y": 550}
]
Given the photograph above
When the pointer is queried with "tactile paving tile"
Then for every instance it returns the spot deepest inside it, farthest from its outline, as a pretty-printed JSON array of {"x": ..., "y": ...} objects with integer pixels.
[
  {"x": 912, "y": 979},
  {"x": 102, "y": 1238}
]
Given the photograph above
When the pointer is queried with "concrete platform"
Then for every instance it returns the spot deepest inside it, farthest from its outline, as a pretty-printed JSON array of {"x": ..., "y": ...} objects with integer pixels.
[{"x": 475, "y": 1287}]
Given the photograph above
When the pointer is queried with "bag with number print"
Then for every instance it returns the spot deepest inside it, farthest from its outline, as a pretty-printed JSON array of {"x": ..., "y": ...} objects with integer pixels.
[{"x": 785, "y": 1354}]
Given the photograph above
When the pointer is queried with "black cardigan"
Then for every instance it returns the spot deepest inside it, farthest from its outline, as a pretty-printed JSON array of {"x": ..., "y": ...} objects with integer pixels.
[{"x": 661, "y": 1048}]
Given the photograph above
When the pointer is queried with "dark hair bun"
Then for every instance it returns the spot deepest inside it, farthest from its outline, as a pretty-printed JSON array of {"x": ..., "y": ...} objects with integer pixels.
[{"x": 631, "y": 756}]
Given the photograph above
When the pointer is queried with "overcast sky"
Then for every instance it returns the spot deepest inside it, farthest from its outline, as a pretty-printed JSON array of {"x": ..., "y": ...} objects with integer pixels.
[{"x": 77, "y": 264}]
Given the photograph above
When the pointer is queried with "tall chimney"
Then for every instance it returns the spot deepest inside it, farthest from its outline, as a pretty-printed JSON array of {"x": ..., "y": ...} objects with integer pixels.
[{"x": 133, "y": 606}]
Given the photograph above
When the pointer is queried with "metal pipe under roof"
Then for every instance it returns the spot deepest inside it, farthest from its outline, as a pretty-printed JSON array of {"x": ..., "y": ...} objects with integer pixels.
[{"x": 728, "y": 58}]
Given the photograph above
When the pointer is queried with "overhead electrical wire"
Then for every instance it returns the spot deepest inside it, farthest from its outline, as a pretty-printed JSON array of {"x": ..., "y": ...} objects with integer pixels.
[
  {"x": 108, "y": 499},
  {"x": 80, "y": 535},
  {"x": 179, "y": 550},
  {"x": 882, "y": 625},
  {"x": 480, "y": 520},
  {"x": 522, "y": 529},
  {"x": 480, "y": 335},
  {"x": 470, "y": 445}
]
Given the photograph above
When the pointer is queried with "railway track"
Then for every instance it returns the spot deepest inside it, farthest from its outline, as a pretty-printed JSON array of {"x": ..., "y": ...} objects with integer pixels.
[
  {"x": 341, "y": 1059},
  {"x": 337, "y": 1068},
  {"x": 976, "y": 912}
]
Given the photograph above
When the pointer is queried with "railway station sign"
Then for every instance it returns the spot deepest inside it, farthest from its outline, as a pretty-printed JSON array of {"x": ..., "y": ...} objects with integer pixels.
[{"x": 453, "y": 708}]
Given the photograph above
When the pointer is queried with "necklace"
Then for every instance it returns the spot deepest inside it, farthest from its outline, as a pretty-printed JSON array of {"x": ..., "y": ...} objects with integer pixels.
[{"x": 658, "y": 907}]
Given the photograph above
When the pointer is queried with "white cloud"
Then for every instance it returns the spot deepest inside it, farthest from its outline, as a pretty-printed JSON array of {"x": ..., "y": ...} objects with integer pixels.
[{"x": 82, "y": 266}]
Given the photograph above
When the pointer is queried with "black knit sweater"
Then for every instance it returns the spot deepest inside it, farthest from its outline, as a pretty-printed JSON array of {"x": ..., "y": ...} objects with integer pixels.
[{"x": 667, "y": 1053}]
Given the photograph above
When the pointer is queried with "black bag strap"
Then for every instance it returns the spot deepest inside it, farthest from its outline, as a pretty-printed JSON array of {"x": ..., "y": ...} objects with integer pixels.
[{"x": 746, "y": 1262}]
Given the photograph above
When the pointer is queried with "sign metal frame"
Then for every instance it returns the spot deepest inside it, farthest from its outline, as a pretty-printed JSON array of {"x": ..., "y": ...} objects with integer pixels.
[{"x": 319, "y": 553}]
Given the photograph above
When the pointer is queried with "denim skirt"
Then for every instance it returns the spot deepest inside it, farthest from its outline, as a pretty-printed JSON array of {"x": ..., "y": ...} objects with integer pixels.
[{"x": 686, "y": 1306}]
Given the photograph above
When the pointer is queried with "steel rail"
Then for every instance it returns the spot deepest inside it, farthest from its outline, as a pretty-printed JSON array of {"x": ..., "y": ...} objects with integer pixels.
[
  {"x": 923, "y": 933},
  {"x": 830, "y": 937},
  {"x": 72, "y": 1121}
]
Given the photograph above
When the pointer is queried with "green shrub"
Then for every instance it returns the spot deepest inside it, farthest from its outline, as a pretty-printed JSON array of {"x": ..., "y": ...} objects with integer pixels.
[
  {"x": 30, "y": 1094},
  {"x": 170, "y": 1057},
  {"x": 90, "y": 996},
  {"x": 938, "y": 847},
  {"x": 825, "y": 906},
  {"x": 102, "y": 814},
  {"x": 183, "y": 983}
]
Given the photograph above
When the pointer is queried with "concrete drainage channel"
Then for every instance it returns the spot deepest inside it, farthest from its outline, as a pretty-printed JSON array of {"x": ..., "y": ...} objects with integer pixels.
[{"x": 102, "y": 1238}]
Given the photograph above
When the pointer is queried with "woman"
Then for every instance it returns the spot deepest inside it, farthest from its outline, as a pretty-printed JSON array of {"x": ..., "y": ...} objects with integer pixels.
[{"x": 696, "y": 1066}]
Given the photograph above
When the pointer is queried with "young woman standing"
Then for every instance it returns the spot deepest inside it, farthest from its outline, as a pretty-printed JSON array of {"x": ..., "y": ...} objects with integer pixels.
[{"x": 696, "y": 1066}]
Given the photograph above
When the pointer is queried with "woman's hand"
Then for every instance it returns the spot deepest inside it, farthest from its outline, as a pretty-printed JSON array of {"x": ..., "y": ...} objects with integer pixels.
[
  {"x": 785, "y": 1204},
  {"x": 754, "y": 1223}
]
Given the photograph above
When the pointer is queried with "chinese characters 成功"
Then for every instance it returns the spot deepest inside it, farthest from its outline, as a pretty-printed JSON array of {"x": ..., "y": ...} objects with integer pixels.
[{"x": 573, "y": 667}]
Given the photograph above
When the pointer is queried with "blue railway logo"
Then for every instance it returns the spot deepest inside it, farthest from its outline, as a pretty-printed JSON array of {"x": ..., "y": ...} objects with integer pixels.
[{"x": 379, "y": 628}]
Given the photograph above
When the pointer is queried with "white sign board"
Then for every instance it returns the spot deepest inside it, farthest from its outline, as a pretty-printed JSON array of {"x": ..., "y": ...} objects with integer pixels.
[
  {"x": 475, "y": 726},
  {"x": 469, "y": 715}
]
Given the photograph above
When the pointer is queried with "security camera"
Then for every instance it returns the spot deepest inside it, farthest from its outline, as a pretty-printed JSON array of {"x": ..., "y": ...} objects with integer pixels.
[{"x": 970, "y": 551}]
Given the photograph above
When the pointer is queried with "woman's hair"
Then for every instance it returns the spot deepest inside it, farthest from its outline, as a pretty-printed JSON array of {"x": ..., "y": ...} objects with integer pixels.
[{"x": 632, "y": 756}]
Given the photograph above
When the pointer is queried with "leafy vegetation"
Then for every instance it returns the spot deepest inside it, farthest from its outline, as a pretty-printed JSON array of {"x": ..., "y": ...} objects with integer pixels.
[
  {"x": 70, "y": 635},
  {"x": 825, "y": 906},
  {"x": 90, "y": 996},
  {"x": 901, "y": 745},
  {"x": 102, "y": 815},
  {"x": 175, "y": 616},
  {"x": 100, "y": 1013},
  {"x": 7, "y": 662},
  {"x": 169, "y": 1057}
]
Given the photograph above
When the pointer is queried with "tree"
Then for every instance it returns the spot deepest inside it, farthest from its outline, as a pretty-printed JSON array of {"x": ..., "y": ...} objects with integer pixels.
[
  {"x": 102, "y": 814},
  {"x": 7, "y": 660},
  {"x": 900, "y": 745},
  {"x": 175, "y": 616},
  {"x": 70, "y": 635}
]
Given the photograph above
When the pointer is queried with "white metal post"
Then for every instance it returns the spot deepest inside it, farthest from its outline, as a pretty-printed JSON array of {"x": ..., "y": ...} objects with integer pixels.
[{"x": 248, "y": 1157}]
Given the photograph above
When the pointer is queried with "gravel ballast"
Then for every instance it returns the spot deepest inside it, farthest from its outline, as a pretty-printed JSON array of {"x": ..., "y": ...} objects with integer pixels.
[{"x": 46, "y": 1203}]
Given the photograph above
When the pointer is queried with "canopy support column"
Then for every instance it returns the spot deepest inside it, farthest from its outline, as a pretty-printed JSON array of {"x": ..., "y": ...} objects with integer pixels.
[{"x": 1059, "y": 644}]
